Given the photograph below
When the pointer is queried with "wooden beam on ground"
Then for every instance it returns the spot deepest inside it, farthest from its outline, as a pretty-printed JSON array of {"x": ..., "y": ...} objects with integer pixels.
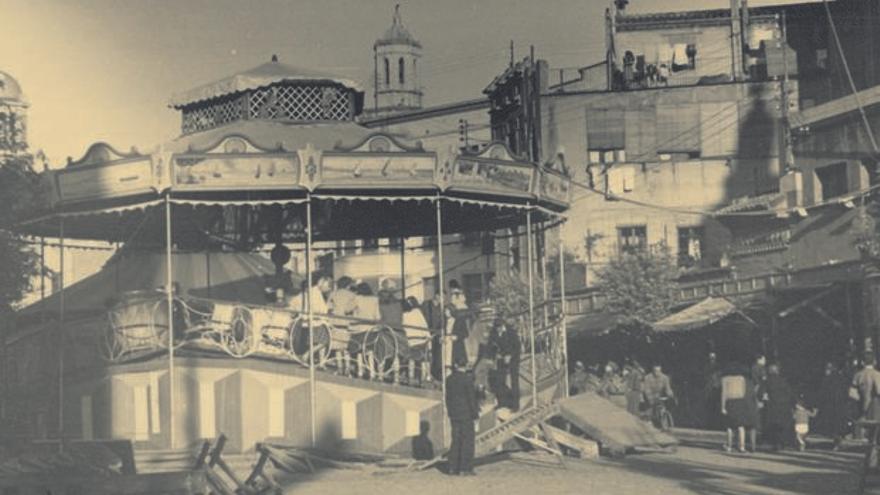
[
  {"x": 552, "y": 441},
  {"x": 587, "y": 448}
]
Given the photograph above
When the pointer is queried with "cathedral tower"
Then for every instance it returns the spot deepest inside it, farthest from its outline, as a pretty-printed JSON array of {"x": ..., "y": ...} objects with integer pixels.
[{"x": 396, "y": 57}]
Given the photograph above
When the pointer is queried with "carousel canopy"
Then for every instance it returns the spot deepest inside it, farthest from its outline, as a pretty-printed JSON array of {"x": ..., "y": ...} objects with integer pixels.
[
  {"x": 264, "y": 75},
  {"x": 228, "y": 276},
  {"x": 260, "y": 144}
]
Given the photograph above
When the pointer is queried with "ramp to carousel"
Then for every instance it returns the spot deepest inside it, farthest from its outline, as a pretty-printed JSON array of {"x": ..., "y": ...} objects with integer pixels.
[{"x": 610, "y": 425}]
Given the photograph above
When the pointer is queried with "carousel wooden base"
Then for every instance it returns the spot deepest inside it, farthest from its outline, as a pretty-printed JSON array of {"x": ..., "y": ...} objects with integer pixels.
[{"x": 256, "y": 400}]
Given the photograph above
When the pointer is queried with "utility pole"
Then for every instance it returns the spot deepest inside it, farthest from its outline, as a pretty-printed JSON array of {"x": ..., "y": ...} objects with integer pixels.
[
  {"x": 787, "y": 152},
  {"x": 463, "y": 133}
]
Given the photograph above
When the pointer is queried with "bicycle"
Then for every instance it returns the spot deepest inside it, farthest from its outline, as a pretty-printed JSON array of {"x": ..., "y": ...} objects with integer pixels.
[{"x": 661, "y": 417}]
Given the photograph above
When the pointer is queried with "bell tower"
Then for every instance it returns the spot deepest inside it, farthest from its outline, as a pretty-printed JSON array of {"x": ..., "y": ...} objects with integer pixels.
[{"x": 396, "y": 83}]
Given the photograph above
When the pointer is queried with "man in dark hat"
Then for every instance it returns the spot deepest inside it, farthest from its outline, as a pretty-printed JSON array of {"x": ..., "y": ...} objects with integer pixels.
[{"x": 461, "y": 406}]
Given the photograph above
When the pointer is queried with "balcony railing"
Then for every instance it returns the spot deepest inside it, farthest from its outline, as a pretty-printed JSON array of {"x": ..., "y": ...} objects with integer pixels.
[{"x": 593, "y": 302}]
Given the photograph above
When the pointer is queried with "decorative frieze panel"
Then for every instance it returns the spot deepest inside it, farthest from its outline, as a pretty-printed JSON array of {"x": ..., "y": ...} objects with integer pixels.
[
  {"x": 129, "y": 177},
  {"x": 235, "y": 163},
  {"x": 555, "y": 187}
]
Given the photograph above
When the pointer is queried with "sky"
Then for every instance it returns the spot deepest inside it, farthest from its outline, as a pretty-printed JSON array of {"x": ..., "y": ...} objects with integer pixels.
[{"x": 104, "y": 70}]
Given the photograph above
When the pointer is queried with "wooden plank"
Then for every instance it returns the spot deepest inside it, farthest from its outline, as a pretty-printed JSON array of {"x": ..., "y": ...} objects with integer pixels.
[
  {"x": 611, "y": 425},
  {"x": 184, "y": 482},
  {"x": 549, "y": 437},
  {"x": 587, "y": 448}
]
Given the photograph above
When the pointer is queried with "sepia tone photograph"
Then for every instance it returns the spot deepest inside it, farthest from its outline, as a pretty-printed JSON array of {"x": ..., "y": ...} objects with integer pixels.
[{"x": 439, "y": 247}]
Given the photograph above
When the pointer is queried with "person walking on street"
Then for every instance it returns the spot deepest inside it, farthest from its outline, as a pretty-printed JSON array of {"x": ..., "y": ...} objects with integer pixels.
[
  {"x": 802, "y": 417},
  {"x": 831, "y": 400},
  {"x": 462, "y": 409},
  {"x": 780, "y": 404},
  {"x": 867, "y": 382},
  {"x": 657, "y": 386},
  {"x": 739, "y": 406},
  {"x": 634, "y": 387}
]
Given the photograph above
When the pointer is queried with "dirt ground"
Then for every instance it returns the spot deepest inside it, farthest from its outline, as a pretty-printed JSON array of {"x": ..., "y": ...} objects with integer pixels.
[{"x": 698, "y": 466}]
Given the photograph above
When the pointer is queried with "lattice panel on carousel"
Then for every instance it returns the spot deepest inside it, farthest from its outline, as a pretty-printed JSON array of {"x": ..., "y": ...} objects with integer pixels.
[
  {"x": 300, "y": 103},
  {"x": 212, "y": 115}
]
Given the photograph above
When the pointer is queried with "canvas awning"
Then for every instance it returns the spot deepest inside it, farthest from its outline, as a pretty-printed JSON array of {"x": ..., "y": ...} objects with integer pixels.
[{"x": 706, "y": 312}]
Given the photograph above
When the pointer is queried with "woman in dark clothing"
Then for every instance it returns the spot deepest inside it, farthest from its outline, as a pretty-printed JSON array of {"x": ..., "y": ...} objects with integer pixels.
[
  {"x": 780, "y": 404},
  {"x": 832, "y": 402},
  {"x": 739, "y": 406},
  {"x": 390, "y": 307}
]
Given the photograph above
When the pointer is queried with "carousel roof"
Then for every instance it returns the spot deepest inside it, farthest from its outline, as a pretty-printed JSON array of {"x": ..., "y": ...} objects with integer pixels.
[
  {"x": 275, "y": 135},
  {"x": 261, "y": 76}
]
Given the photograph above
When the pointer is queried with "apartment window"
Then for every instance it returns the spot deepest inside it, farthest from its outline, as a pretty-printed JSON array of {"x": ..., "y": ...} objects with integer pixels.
[
  {"x": 387, "y": 72},
  {"x": 487, "y": 243},
  {"x": 605, "y": 130},
  {"x": 833, "y": 180},
  {"x": 678, "y": 129},
  {"x": 632, "y": 238},
  {"x": 690, "y": 245},
  {"x": 400, "y": 69},
  {"x": 473, "y": 287},
  {"x": 429, "y": 284},
  {"x": 370, "y": 244},
  {"x": 684, "y": 56}
]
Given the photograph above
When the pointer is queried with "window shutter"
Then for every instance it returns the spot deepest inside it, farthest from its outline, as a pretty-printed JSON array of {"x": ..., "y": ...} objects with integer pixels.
[
  {"x": 605, "y": 129},
  {"x": 678, "y": 129}
]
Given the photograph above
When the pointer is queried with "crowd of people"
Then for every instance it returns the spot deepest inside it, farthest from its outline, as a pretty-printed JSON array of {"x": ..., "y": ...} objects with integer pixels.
[
  {"x": 629, "y": 387},
  {"x": 751, "y": 402},
  {"x": 760, "y": 401}
]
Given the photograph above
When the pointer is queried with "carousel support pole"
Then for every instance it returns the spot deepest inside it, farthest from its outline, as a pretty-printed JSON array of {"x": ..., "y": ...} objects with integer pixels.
[
  {"x": 170, "y": 302},
  {"x": 42, "y": 267},
  {"x": 403, "y": 268},
  {"x": 312, "y": 384},
  {"x": 61, "y": 345},
  {"x": 530, "y": 269},
  {"x": 562, "y": 321},
  {"x": 545, "y": 307},
  {"x": 443, "y": 342}
]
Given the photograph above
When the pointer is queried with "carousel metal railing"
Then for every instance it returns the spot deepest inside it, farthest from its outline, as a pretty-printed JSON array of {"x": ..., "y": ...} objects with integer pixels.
[
  {"x": 138, "y": 326},
  {"x": 352, "y": 346}
]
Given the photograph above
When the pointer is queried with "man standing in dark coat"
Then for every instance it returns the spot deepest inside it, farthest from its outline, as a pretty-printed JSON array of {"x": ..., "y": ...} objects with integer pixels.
[
  {"x": 832, "y": 400},
  {"x": 780, "y": 404},
  {"x": 508, "y": 345},
  {"x": 461, "y": 406}
]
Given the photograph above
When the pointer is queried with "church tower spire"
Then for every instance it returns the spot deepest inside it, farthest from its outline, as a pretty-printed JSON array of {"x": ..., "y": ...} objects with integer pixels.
[{"x": 396, "y": 55}]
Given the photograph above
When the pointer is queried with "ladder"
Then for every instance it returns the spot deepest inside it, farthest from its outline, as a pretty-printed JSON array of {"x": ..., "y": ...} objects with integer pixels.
[
  {"x": 516, "y": 425},
  {"x": 485, "y": 442}
]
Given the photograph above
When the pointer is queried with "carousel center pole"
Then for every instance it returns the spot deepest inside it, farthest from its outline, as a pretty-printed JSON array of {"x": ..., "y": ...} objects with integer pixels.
[
  {"x": 562, "y": 322},
  {"x": 61, "y": 345},
  {"x": 443, "y": 343},
  {"x": 531, "y": 307},
  {"x": 308, "y": 298},
  {"x": 169, "y": 300}
]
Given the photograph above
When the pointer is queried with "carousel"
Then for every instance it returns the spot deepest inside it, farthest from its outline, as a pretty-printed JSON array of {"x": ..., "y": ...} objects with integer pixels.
[{"x": 188, "y": 330}]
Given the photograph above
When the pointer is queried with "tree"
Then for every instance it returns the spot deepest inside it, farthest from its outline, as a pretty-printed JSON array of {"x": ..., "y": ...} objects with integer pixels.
[
  {"x": 510, "y": 294},
  {"x": 19, "y": 190},
  {"x": 638, "y": 286}
]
